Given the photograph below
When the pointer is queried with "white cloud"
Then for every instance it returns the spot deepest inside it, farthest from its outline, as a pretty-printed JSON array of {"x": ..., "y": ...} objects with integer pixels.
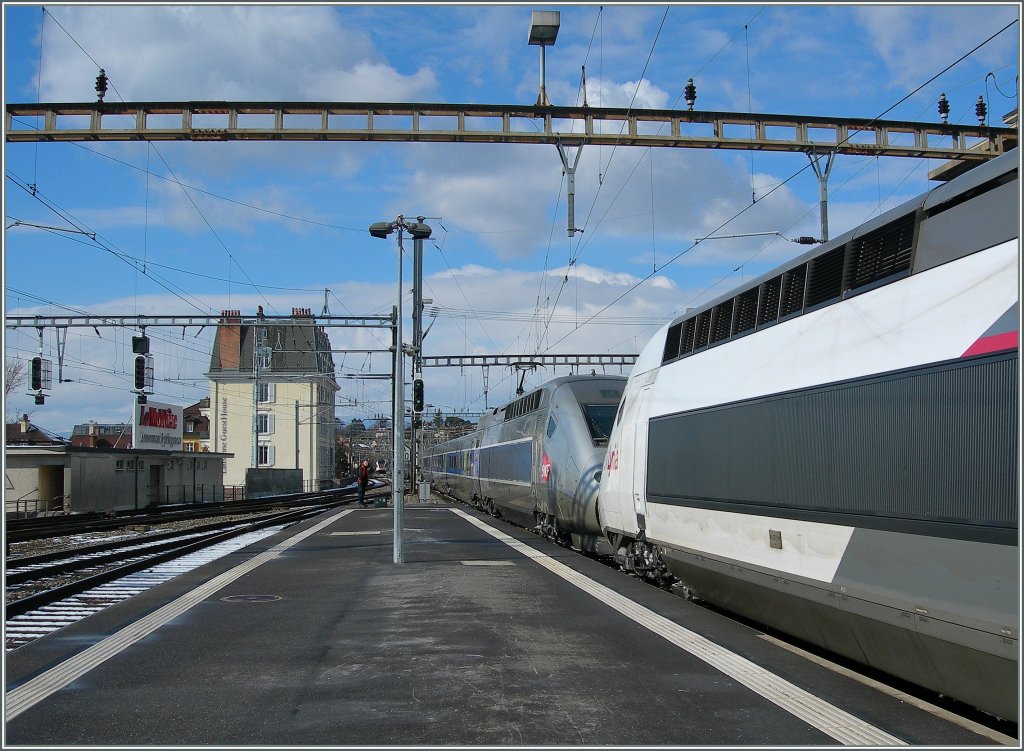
[
  {"x": 916, "y": 42},
  {"x": 251, "y": 52}
]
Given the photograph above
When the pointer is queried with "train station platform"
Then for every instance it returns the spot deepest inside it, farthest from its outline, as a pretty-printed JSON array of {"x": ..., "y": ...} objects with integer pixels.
[{"x": 485, "y": 635}]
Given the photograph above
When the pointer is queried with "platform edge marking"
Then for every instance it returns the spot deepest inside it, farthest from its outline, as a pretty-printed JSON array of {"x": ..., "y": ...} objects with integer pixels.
[
  {"x": 829, "y": 719},
  {"x": 30, "y": 693}
]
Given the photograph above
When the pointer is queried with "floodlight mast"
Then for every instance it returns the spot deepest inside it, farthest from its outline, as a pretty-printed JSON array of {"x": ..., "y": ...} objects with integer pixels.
[
  {"x": 543, "y": 32},
  {"x": 418, "y": 231}
]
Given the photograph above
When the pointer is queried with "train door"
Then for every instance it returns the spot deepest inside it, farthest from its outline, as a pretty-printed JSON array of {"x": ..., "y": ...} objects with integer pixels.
[{"x": 640, "y": 422}]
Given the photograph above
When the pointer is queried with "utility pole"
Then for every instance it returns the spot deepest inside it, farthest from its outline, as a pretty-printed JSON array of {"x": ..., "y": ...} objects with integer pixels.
[{"x": 417, "y": 347}]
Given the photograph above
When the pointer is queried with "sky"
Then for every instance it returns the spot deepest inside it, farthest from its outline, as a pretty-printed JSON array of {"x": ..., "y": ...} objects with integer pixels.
[{"x": 197, "y": 228}]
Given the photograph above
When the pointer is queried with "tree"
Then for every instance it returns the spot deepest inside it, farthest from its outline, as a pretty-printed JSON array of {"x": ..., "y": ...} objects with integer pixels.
[{"x": 14, "y": 375}]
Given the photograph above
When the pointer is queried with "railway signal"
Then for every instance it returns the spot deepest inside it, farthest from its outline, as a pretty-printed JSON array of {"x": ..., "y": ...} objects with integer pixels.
[
  {"x": 40, "y": 377},
  {"x": 417, "y": 395},
  {"x": 143, "y": 372}
]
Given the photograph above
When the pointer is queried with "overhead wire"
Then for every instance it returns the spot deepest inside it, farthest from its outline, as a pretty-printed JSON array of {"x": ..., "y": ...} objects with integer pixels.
[{"x": 779, "y": 185}]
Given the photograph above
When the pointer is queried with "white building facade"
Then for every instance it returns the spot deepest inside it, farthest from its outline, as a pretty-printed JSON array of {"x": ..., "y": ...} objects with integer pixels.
[{"x": 272, "y": 395}]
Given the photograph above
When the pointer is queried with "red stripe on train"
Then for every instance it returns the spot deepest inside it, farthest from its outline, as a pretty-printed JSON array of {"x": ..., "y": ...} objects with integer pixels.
[{"x": 994, "y": 343}]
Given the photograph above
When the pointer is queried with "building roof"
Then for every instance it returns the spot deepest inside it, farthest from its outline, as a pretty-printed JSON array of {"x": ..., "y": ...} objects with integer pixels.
[
  {"x": 295, "y": 350},
  {"x": 23, "y": 433}
]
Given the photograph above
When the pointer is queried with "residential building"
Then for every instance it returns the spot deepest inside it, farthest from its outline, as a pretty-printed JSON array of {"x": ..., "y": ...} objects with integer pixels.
[
  {"x": 98, "y": 435},
  {"x": 195, "y": 434},
  {"x": 24, "y": 433},
  {"x": 272, "y": 394}
]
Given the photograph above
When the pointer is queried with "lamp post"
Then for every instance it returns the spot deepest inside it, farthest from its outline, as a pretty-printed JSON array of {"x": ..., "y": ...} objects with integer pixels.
[
  {"x": 418, "y": 231},
  {"x": 543, "y": 31}
]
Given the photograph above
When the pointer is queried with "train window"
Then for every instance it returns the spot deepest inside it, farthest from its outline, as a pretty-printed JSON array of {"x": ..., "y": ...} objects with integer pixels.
[
  {"x": 600, "y": 418},
  {"x": 551, "y": 426}
]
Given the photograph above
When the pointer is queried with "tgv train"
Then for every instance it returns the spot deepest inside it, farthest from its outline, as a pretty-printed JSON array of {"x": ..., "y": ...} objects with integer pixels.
[
  {"x": 831, "y": 450},
  {"x": 537, "y": 460}
]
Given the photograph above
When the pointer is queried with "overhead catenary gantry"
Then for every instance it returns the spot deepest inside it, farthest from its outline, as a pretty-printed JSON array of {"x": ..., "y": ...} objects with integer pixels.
[
  {"x": 35, "y": 321},
  {"x": 565, "y": 127},
  {"x": 484, "y": 361},
  {"x": 500, "y": 123}
]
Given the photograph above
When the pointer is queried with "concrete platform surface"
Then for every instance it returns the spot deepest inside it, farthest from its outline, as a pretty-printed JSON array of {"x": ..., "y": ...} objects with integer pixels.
[{"x": 485, "y": 635}]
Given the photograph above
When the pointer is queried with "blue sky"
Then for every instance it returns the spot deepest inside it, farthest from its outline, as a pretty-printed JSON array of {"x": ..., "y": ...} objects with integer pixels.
[{"x": 236, "y": 225}]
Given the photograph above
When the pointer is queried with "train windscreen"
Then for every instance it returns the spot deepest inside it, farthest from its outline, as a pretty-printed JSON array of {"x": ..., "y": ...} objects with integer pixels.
[{"x": 600, "y": 418}]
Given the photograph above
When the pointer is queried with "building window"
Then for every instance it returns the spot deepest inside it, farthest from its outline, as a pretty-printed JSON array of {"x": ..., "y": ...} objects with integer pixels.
[
  {"x": 265, "y": 392},
  {"x": 119, "y": 465},
  {"x": 265, "y": 455},
  {"x": 264, "y": 423},
  {"x": 190, "y": 447}
]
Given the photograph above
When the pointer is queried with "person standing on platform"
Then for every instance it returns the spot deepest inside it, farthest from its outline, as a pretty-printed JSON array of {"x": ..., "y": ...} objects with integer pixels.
[{"x": 362, "y": 480}]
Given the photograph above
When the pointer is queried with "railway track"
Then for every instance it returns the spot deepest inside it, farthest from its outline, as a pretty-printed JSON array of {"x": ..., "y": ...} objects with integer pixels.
[
  {"x": 47, "y": 591},
  {"x": 22, "y": 530}
]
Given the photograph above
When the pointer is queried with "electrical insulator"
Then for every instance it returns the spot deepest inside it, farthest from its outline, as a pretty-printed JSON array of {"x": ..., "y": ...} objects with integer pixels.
[
  {"x": 943, "y": 108},
  {"x": 690, "y": 92},
  {"x": 981, "y": 110},
  {"x": 101, "y": 85},
  {"x": 140, "y": 372},
  {"x": 37, "y": 373},
  {"x": 417, "y": 395}
]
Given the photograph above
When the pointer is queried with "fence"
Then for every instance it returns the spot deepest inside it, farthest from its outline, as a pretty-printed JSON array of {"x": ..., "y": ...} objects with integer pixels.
[{"x": 186, "y": 494}]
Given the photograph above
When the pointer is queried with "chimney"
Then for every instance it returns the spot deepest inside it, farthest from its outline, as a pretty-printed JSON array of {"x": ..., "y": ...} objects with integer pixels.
[
  {"x": 25, "y": 425},
  {"x": 229, "y": 339}
]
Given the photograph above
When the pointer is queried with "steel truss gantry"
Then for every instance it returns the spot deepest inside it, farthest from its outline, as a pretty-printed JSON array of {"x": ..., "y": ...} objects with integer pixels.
[
  {"x": 15, "y": 322},
  {"x": 500, "y": 123},
  {"x": 484, "y": 361}
]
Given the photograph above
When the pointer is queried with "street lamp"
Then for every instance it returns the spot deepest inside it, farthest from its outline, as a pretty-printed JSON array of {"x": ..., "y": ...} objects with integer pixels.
[
  {"x": 543, "y": 31},
  {"x": 418, "y": 231}
]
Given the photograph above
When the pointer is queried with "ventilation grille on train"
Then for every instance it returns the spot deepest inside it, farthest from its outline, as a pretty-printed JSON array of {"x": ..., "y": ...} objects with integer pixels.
[
  {"x": 877, "y": 257},
  {"x": 881, "y": 253},
  {"x": 520, "y": 407}
]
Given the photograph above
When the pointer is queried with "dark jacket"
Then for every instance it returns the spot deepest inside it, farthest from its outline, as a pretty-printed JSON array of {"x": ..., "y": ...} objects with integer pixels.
[{"x": 363, "y": 476}]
